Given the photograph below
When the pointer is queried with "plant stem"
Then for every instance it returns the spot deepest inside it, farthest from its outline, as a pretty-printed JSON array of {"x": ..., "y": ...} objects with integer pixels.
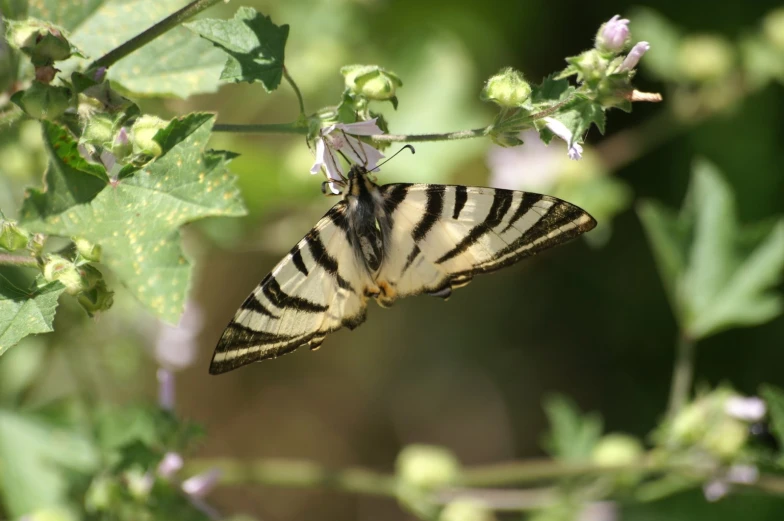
[
  {"x": 682, "y": 374},
  {"x": 296, "y": 91},
  {"x": 148, "y": 35},
  {"x": 268, "y": 128},
  {"x": 18, "y": 260},
  {"x": 296, "y": 128},
  {"x": 418, "y": 138},
  {"x": 298, "y": 474},
  {"x": 473, "y": 481}
]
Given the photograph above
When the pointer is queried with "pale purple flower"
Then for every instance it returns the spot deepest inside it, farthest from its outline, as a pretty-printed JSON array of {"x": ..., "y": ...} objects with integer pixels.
[
  {"x": 165, "y": 389},
  {"x": 743, "y": 474},
  {"x": 339, "y": 138},
  {"x": 176, "y": 347},
  {"x": 613, "y": 35},
  {"x": 715, "y": 490},
  {"x": 599, "y": 511},
  {"x": 201, "y": 484},
  {"x": 633, "y": 58},
  {"x": 100, "y": 74},
  {"x": 170, "y": 464},
  {"x": 122, "y": 137},
  {"x": 749, "y": 409},
  {"x": 532, "y": 166},
  {"x": 559, "y": 129}
]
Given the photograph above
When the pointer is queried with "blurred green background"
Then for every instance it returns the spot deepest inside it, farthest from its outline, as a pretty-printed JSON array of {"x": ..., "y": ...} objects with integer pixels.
[{"x": 589, "y": 321}]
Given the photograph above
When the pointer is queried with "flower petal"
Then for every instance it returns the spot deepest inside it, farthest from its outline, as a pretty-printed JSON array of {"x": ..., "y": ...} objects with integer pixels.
[
  {"x": 360, "y": 128},
  {"x": 633, "y": 58},
  {"x": 361, "y": 153},
  {"x": 321, "y": 150}
]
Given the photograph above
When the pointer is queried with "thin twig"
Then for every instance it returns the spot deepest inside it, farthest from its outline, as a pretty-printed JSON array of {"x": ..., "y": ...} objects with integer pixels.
[
  {"x": 418, "y": 138},
  {"x": 148, "y": 35},
  {"x": 296, "y": 91},
  {"x": 18, "y": 260},
  {"x": 270, "y": 128},
  {"x": 682, "y": 375}
]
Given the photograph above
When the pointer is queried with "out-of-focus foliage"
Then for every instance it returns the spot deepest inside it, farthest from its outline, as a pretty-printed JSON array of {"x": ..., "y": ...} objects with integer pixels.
[{"x": 445, "y": 387}]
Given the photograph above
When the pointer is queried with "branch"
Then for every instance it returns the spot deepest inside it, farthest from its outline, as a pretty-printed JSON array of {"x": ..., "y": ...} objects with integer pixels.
[
  {"x": 148, "y": 35},
  {"x": 264, "y": 128},
  {"x": 296, "y": 91},
  {"x": 473, "y": 482},
  {"x": 18, "y": 260}
]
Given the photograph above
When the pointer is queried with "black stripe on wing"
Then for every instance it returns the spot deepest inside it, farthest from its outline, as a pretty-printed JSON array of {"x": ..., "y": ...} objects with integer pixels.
[{"x": 502, "y": 201}]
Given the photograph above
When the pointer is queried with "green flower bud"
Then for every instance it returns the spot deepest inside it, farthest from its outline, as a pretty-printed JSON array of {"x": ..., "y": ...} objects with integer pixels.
[
  {"x": 102, "y": 494},
  {"x": 466, "y": 510},
  {"x": 61, "y": 269},
  {"x": 616, "y": 450},
  {"x": 36, "y": 244},
  {"x": 43, "y": 42},
  {"x": 506, "y": 89},
  {"x": 42, "y": 101},
  {"x": 506, "y": 139},
  {"x": 371, "y": 82},
  {"x": 139, "y": 484},
  {"x": 427, "y": 466},
  {"x": 98, "y": 298},
  {"x": 12, "y": 237},
  {"x": 773, "y": 27},
  {"x": 51, "y": 47},
  {"x": 705, "y": 58},
  {"x": 88, "y": 250},
  {"x": 121, "y": 145},
  {"x": 22, "y": 35},
  {"x": 143, "y": 132},
  {"x": 591, "y": 66},
  {"x": 725, "y": 439},
  {"x": 99, "y": 130}
]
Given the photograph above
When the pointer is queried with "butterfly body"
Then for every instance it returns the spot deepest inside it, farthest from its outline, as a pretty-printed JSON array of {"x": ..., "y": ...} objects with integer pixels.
[{"x": 387, "y": 242}]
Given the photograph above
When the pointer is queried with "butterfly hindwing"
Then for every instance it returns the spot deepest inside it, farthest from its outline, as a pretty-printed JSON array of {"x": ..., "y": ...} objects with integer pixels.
[
  {"x": 442, "y": 235},
  {"x": 317, "y": 288}
]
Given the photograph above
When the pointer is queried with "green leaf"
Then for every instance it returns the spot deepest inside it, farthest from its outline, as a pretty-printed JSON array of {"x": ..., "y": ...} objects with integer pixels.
[
  {"x": 254, "y": 44},
  {"x": 774, "y": 399},
  {"x": 34, "y": 456},
  {"x": 717, "y": 274},
  {"x": 177, "y": 63},
  {"x": 551, "y": 91},
  {"x": 572, "y": 435},
  {"x": 25, "y": 313},
  {"x": 650, "y": 26},
  {"x": 136, "y": 219},
  {"x": 669, "y": 240},
  {"x": 65, "y": 14}
]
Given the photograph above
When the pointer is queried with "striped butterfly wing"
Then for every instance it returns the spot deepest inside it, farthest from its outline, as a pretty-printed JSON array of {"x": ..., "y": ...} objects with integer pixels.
[
  {"x": 443, "y": 235},
  {"x": 316, "y": 289}
]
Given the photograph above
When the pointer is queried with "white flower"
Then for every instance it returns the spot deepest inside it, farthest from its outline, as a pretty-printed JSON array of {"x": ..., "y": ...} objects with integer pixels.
[
  {"x": 559, "y": 129},
  {"x": 339, "y": 138},
  {"x": 633, "y": 58},
  {"x": 750, "y": 409},
  {"x": 532, "y": 166}
]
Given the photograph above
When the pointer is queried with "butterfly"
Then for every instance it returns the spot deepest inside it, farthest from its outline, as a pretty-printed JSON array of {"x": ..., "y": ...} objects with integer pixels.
[{"x": 387, "y": 242}]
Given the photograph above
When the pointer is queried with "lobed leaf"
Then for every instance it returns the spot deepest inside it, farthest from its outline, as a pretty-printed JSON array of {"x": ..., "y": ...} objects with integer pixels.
[
  {"x": 572, "y": 435},
  {"x": 177, "y": 63},
  {"x": 136, "y": 219},
  {"x": 26, "y": 313},
  {"x": 717, "y": 274},
  {"x": 254, "y": 44}
]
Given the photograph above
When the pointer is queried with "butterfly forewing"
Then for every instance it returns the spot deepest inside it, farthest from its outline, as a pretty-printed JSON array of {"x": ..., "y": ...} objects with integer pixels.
[
  {"x": 433, "y": 238},
  {"x": 317, "y": 288},
  {"x": 441, "y": 236}
]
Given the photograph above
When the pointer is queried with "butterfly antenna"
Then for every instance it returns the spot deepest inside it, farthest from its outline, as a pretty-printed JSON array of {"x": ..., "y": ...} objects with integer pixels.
[{"x": 410, "y": 147}]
